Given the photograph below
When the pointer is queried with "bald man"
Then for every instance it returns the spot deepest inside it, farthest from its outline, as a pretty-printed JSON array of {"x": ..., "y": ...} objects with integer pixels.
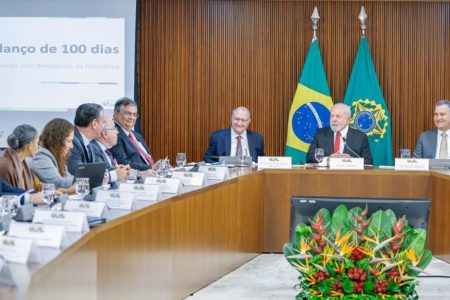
[{"x": 235, "y": 140}]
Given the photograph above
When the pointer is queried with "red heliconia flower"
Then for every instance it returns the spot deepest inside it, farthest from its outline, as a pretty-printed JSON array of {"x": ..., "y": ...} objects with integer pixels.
[{"x": 357, "y": 254}]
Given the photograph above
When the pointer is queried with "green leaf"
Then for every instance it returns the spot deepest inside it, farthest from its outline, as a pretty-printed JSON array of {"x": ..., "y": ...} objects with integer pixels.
[
  {"x": 369, "y": 285},
  {"x": 425, "y": 260},
  {"x": 302, "y": 230},
  {"x": 348, "y": 286},
  {"x": 325, "y": 286},
  {"x": 393, "y": 287},
  {"x": 290, "y": 250},
  {"x": 415, "y": 240},
  {"x": 379, "y": 224},
  {"x": 363, "y": 263},
  {"x": 340, "y": 221},
  {"x": 392, "y": 219}
]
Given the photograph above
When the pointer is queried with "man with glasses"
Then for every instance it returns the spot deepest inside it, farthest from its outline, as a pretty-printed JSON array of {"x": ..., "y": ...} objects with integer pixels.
[
  {"x": 101, "y": 146},
  {"x": 130, "y": 148},
  {"x": 89, "y": 123},
  {"x": 237, "y": 140}
]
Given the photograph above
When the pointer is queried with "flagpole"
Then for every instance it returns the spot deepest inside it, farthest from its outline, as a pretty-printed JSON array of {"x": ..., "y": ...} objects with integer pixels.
[
  {"x": 363, "y": 17},
  {"x": 315, "y": 19}
]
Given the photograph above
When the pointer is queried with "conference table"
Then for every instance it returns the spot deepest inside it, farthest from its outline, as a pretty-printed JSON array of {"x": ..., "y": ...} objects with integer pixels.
[{"x": 174, "y": 247}]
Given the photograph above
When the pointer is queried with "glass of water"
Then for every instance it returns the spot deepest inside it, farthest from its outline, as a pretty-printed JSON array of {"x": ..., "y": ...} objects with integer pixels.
[
  {"x": 405, "y": 153},
  {"x": 82, "y": 187},
  {"x": 163, "y": 168},
  {"x": 48, "y": 193},
  {"x": 319, "y": 154},
  {"x": 181, "y": 159},
  {"x": 243, "y": 157},
  {"x": 11, "y": 205}
]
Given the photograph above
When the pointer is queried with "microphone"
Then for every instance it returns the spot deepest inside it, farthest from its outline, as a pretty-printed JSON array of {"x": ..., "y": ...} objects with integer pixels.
[{"x": 350, "y": 149}]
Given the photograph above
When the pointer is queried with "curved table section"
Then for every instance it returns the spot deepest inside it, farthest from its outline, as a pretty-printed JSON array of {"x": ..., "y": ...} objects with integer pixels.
[{"x": 175, "y": 247}]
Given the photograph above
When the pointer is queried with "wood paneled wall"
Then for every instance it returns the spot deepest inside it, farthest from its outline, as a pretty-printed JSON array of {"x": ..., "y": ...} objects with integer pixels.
[{"x": 199, "y": 59}]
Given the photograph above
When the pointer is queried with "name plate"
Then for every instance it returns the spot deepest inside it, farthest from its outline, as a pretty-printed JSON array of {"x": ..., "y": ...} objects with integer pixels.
[
  {"x": 44, "y": 235},
  {"x": 91, "y": 209},
  {"x": 412, "y": 164},
  {"x": 274, "y": 162},
  {"x": 346, "y": 163},
  {"x": 117, "y": 199},
  {"x": 166, "y": 185},
  {"x": 190, "y": 178},
  {"x": 18, "y": 250},
  {"x": 143, "y": 192},
  {"x": 72, "y": 221},
  {"x": 215, "y": 172}
]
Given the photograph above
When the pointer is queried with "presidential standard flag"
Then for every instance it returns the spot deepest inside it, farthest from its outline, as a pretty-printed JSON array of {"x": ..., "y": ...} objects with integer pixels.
[
  {"x": 369, "y": 111},
  {"x": 310, "y": 109}
]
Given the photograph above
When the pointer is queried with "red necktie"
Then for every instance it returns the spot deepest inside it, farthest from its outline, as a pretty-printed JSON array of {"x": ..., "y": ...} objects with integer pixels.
[
  {"x": 337, "y": 142},
  {"x": 147, "y": 157}
]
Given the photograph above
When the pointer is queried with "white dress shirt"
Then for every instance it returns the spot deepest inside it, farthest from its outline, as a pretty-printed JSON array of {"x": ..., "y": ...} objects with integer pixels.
[{"x": 244, "y": 143}]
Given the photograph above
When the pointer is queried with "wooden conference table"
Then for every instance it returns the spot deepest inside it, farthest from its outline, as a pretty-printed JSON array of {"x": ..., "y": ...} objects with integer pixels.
[{"x": 175, "y": 247}]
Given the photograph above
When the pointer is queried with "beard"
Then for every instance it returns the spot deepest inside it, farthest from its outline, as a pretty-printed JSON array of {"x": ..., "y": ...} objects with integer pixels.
[{"x": 337, "y": 128}]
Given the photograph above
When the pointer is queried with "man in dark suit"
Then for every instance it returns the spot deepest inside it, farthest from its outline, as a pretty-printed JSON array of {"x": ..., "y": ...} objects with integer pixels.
[
  {"x": 339, "y": 140},
  {"x": 89, "y": 123},
  {"x": 130, "y": 148},
  {"x": 235, "y": 140},
  {"x": 101, "y": 152},
  {"x": 435, "y": 143}
]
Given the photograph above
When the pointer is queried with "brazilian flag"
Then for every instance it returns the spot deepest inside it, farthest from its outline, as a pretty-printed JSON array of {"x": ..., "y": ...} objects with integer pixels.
[
  {"x": 310, "y": 109},
  {"x": 369, "y": 111}
]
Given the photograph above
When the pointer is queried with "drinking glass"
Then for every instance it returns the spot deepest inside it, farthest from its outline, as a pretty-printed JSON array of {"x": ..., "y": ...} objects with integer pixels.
[
  {"x": 405, "y": 153},
  {"x": 163, "y": 168},
  {"x": 82, "y": 187},
  {"x": 48, "y": 193},
  {"x": 243, "y": 157},
  {"x": 181, "y": 159},
  {"x": 319, "y": 154},
  {"x": 3, "y": 221},
  {"x": 11, "y": 205}
]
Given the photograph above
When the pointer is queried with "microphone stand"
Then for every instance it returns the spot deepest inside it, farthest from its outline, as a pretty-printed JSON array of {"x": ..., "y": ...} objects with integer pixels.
[{"x": 350, "y": 149}]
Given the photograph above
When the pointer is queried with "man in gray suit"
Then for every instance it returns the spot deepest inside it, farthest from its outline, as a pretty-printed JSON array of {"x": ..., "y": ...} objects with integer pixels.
[{"x": 436, "y": 143}]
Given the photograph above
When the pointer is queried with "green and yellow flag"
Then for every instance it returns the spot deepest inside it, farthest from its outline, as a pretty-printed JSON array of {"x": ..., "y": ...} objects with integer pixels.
[
  {"x": 310, "y": 109},
  {"x": 369, "y": 111}
]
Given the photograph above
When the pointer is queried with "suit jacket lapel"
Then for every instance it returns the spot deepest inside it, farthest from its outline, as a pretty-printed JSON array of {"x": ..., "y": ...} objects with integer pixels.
[
  {"x": 228, "y": 142},
  {"x": 330, "y": 145},
  {"x": 251, "y": 144},
  {"x": 80, "y": 139},
  {"x": 434, "y": 139},
  {"x": 349, "y": 138}
]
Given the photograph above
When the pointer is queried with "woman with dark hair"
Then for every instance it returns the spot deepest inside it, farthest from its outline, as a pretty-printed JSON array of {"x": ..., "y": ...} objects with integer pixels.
[
  {"x": 49, "y": 163},
  {"x": 23, "y": 143}
]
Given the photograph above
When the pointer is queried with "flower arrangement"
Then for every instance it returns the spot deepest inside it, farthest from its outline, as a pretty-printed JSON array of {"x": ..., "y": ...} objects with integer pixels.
[{"x": 352, "y": 256}]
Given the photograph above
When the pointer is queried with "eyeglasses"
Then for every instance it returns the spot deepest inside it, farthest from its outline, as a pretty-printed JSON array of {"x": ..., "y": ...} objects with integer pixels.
[
  {"x": 241, "y": 120},
  {"x": 130, "y": 114}
]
